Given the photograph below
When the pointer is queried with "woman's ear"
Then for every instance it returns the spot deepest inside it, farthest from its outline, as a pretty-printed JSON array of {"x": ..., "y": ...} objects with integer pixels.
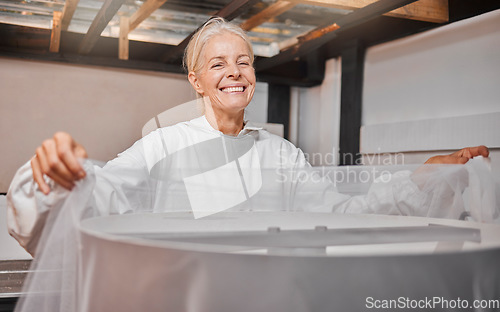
[{"x": 195, "y": 82}]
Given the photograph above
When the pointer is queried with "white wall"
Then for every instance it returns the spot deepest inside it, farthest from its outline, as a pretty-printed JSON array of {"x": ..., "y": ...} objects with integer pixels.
[
  {"x": 9, "y": 248},
  {"x": 435, "y": 92},
  {"x": 316, "y": 130},
  {"x": 256, "y": 111},
  {"x": 453, "y": 70}
]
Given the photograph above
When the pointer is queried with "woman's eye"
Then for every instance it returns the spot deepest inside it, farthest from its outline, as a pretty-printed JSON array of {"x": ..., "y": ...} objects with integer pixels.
[
  {"x": 243, "y": 63},
  {"x": 217, "y": 65}
]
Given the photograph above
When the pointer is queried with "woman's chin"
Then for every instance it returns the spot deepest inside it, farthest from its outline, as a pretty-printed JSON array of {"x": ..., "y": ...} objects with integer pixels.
[
  {"x": 233, "y": 105},
  {"x": 228, "y": 104},
  {"x": 237, "y": 105}
]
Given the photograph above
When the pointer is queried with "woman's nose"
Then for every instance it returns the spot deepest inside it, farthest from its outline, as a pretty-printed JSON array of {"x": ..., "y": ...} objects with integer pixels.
[{"x": 233, "y": 71}]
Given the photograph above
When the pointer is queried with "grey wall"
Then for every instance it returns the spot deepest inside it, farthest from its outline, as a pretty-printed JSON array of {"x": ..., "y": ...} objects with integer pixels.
[
  {"x": 435, "y": 92},
  {"x": 449, "y": 71}
]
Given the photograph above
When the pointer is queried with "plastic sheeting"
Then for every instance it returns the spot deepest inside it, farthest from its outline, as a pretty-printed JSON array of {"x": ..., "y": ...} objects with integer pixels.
[{"x": 86, "y": 261}]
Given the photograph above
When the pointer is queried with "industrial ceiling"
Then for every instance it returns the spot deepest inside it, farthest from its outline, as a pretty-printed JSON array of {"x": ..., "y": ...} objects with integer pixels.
[{"x": 287, "y": 35}]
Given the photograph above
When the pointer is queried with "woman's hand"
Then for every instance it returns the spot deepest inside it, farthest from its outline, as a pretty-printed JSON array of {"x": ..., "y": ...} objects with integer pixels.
[
  {"x": 460, "y": 157},
  {"x": 58, "y": 159},
  {"x": 423, "y": 173}
]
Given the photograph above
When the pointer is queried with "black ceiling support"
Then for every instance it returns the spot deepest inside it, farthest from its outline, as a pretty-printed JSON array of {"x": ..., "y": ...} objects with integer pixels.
[
  {"x": 8, "y": 304},
  {"x": 278, "y": 105},
  {"x": 316, "y": 64},
  {"x": 460, "y": 9},
  {"x": 308, "y": 71},
  {"x": 353, "y": 58}
]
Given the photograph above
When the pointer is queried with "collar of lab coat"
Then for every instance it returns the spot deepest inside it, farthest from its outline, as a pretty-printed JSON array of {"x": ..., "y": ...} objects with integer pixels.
[{"x": 202, "y": 122}]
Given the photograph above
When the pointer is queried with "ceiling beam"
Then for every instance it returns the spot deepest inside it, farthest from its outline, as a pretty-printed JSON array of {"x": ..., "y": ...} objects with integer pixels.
[
  {"x": 435, "y": 11},
  {"x": 105, "y": 14},
  {"x": 55, "y": 34},
  {"x": 232, "y": 10},
  {"x": 123, "y": 38},
  {"x": 268, "y": 13},
  {"x": 94, "y": 60},
  {"x": 146, "y": 9},
  {"x": 350, "y": 20},
  {"x": 68, "y": 11},
  {"x": 313, "y": 34},
  {"x": 318, "y": 32}
]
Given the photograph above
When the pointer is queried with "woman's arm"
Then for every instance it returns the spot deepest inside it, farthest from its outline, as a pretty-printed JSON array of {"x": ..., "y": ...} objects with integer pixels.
[{"x": 44, "y": 183}]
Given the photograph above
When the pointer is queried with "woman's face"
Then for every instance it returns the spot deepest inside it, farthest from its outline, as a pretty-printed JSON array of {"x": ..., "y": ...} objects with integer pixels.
[{"x": 227, "y": 77}]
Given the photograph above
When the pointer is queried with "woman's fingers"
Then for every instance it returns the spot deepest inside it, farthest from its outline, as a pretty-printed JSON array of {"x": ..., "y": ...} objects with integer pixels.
[
  {"x": 38, "y": 175},
  {"x": 471, "y": 152},
  {"x": 58, "y": 159},
  {"x": 479, "y": 151},
  {"x": 460, "y": 157},
  {"x": 68, "y": 151},
  {"x": 462, "y": 160},
  {"x": 51, "y": 166},
  {"x": 57, "y": 168}
]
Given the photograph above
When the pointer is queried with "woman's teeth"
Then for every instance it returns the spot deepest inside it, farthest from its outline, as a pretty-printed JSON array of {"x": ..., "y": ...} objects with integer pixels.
[{"x": 233, "y": 89}]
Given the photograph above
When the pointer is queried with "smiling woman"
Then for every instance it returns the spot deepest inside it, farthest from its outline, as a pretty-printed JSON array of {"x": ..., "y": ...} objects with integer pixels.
[{"x": 210, "y": 164}]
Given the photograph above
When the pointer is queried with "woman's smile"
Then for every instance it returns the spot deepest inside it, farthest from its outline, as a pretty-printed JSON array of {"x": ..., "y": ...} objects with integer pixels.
[{"x": 233, "y": 89}]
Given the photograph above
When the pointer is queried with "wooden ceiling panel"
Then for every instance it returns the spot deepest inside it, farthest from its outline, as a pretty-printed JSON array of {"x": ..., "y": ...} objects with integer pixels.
[
  {"x": 423, "y": 10},
  {"x": 271, "y": 11}
]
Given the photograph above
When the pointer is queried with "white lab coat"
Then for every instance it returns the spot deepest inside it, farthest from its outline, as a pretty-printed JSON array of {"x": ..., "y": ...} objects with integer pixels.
[{"x": 191, "y": 166}]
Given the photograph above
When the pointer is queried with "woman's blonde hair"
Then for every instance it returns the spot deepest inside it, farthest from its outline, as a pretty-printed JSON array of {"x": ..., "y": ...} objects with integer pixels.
[{"x": 193, "y": 61}]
